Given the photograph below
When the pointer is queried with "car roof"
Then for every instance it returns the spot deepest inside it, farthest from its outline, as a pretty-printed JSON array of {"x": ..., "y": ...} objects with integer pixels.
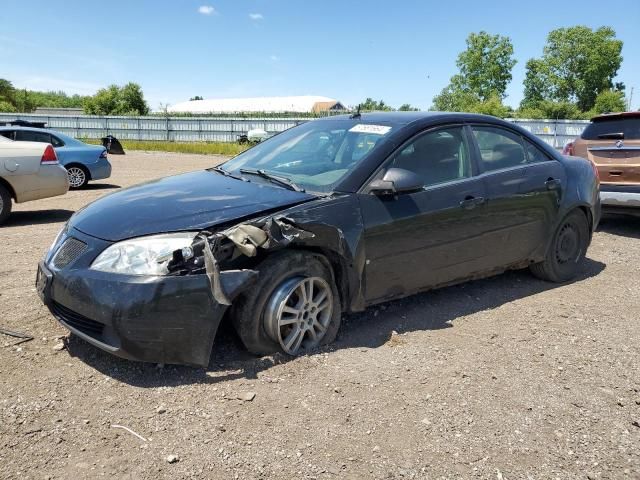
[
  {"x": 64, "y": 136},
  {"x": 615, "y": 116},
  {"x": 19, "y": 127},
  {"x": 405, "y": 118}
]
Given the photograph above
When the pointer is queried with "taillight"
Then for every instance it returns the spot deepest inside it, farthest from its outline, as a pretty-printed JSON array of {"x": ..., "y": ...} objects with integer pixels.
[
  {"x": 568, "y": 149},
  {"x": 103, "y": 154},
  {"x": 49, "y": 156},
  {"x": 595, "y": 169}
]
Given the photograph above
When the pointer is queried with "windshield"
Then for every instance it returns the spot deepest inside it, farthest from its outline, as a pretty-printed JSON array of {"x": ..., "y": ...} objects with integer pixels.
[{"x": 315, "y": 155}]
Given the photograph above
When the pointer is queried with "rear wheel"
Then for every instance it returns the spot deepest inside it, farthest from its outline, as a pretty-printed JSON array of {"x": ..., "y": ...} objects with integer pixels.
[
  {"x": 567, "y": 250},
  {"x": 78, "y": 176},
  {"x": 5, "y": 204},
  {"x": 294, "y": 308}
]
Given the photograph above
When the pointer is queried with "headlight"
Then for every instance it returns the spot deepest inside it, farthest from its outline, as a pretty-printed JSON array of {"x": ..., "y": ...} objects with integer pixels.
[{"x": 144, "y": 255}]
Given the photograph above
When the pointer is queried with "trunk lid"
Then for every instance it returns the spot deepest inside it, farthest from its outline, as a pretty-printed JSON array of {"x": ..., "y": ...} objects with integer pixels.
[{"x": 618, "y": 161}]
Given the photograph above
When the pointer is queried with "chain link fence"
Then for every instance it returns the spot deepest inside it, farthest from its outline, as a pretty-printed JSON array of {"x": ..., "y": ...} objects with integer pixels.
[{"x": 229, "y": 129}]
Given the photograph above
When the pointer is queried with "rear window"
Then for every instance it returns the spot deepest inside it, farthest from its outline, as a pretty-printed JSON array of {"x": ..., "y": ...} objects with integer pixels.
[{"x": 630, "y": 127}]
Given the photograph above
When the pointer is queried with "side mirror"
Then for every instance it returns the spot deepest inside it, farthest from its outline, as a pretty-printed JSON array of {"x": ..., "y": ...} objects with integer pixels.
[{"x": 396, "y": 182}]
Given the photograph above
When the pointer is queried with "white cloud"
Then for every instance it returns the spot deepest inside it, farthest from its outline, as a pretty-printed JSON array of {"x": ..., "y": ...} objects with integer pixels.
[
  {"x": 206, "y": 10},
  {"x": 274, "y": 58},
  {"x": 256, "y": 16}
]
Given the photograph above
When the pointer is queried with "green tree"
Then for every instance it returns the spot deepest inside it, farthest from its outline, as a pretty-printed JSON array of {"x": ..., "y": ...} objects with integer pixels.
[
  {"x": 197, "y": 97},
  {"x": 484, "y": 73},
  {"x": 132, "y": 99},
  {"x": 104, "y": 102},
  {"x": 114, "y": 100},
  {"x": 609, "y": 101},
  {"x": 372, "y": 106},
  {"x": 6, "y": 107},
  {"x": 52, "y": 99},
  {"x": 24, "y": 100},
  {"x": 536, "y": 86},
  {"x": 7, "y": 92},
  {"x": 485, "y": 66},
  {"x": 491, "y": 106},
  {"x": 552, "y": 110},
  {"x": 406, "y": 107},
  {"x": 577, "y": 64},
  {"x": 452, "y": 99}
]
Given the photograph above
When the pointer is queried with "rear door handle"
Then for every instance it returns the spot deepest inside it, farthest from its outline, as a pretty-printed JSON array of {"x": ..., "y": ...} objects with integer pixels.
[
  {"x": 552, "y": 184},
  {"x": 471, "y": 202}
]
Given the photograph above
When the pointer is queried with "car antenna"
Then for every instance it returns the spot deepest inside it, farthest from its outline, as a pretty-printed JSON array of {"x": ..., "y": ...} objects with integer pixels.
[{"x": 357, "y": 114}]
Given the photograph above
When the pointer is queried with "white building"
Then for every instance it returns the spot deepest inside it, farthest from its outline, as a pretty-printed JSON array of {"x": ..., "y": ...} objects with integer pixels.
[{"x": 300, "y": 104}]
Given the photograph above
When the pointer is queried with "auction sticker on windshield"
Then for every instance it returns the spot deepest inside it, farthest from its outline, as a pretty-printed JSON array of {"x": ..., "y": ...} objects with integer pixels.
[{"x": 366, "y": 128}]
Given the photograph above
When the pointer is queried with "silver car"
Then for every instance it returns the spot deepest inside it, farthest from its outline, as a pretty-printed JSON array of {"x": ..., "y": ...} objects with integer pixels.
[{"x": 28, "y": 171}]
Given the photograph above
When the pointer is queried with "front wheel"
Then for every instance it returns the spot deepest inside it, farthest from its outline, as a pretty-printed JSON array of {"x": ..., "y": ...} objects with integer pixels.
[
  {"x": 5, "y": 204},
  {"x": 294, "y": 308},
  {"x": 567, "y": 250},
  {"x": 78, "y": 177}
]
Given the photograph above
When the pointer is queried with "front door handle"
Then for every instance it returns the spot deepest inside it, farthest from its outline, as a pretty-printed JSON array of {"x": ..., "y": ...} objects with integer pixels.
[
  {"x": 552, "y": 184},
  {"x": 471, "y": 202}
]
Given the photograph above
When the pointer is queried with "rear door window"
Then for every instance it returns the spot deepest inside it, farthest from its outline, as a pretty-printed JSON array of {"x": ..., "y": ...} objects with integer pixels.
[
  {"x": 32, "y": 136},
  {"x": 10, "y": 134},
  {"x": 534, "y": 153},
  {"x": 603, "y": 129},
  {"x": 56, "y": 142},
  {"x": 499, "y": 148}
]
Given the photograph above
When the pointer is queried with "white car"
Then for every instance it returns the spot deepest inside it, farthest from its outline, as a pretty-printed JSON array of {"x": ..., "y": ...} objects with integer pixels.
[{"x": 28, "y": 171}]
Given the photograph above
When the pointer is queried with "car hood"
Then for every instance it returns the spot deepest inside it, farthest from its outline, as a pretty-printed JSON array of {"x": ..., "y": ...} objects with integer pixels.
[{"x": 191, "y": 201}]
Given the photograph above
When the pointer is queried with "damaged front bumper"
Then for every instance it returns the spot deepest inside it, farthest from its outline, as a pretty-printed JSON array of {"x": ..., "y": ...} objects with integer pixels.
[
  {"x": 170, "y": 318},
  {"x": 160, "y": 319}
]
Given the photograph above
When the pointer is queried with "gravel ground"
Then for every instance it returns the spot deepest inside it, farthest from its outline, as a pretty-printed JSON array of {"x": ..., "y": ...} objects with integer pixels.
[{"x": 503, "y": 378}]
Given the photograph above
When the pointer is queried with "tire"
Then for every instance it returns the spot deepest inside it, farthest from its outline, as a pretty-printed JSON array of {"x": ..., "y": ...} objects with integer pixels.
[
  {"x": 78, "y": 176},
  {"x": 567, "y": 250},
  {"x": 264, "y": 317},
  {"x": 5, "y": 204}
]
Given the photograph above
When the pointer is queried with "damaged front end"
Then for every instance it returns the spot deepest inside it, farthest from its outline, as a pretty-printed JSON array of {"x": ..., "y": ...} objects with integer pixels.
[
  {"x": 233, "y": 252},
  {"x": 172, "y": 318}
]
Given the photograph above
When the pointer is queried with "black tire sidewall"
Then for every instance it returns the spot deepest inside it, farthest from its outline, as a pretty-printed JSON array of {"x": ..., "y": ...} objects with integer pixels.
[
  {"x": 249, "y": 308},
  {"x": 567, "y": 271},
  {"x": 6, "y": 202}
]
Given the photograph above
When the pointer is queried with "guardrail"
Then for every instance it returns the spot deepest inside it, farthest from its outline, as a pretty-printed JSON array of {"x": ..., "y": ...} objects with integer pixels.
[{"x": 227, "y": 129}]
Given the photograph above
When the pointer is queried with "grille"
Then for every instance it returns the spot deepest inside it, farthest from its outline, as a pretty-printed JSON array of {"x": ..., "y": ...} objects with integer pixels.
[
  {"x": 75, "y": 320},
  {"x": 71, "y": 249}
]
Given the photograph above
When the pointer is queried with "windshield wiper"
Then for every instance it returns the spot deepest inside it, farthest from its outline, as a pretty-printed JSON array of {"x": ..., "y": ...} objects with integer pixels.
[
  {"x": 284, "y": 181},
  {"x": 228, "y": 174}
]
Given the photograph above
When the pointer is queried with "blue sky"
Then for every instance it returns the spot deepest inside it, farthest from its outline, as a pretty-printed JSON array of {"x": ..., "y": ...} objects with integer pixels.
[{"x": 400, "y": 51}]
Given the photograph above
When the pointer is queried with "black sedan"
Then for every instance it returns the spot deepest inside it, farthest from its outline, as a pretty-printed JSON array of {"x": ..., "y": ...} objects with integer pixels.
[{"x": 328, "y": 217}]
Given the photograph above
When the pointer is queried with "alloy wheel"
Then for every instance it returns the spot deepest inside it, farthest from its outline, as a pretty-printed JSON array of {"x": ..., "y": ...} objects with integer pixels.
[
  {"x": 298, "y": 313},
  {"x": 77, "y": 177}
]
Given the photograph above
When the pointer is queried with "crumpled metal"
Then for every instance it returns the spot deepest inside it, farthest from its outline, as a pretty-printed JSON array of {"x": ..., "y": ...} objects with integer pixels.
[{"x": 247, "y": 238}]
